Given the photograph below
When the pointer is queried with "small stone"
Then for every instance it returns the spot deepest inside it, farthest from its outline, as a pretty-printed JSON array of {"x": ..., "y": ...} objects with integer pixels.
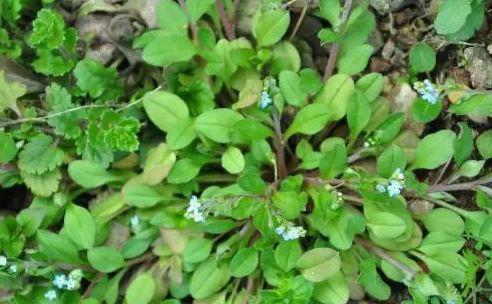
[
  {"x": 388, "y": 49},
  {"x": 480, "y": 67},
  {"x": 378, "y": 64}
]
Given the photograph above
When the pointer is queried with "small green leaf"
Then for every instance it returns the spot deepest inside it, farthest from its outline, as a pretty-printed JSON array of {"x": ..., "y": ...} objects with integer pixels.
[
  {"x": 170, "y": 17},
  {"x": 422, "y": 58},
  {"x": 441, "y": 241},
  {"x": 158, "y": 164},
  {"x": 452, "y": 16},
  {"x": 181, "y": 134},
  {"x": 244, "y": 262},
  {"x": 371, "y": 280},
  {"x": 196, "y": 8},
  {"x": 97, "y": 80},
  {"x": 105, "y": 259},
  {"x": 40, "y": 155},
  {"x": 141, "y": 196},
  {"x": 448, "y": 265},
  {"x": 270, "y": 26},
  {"x": 463, "y": 146},
  {"x": 197, "y": 250},
  {"x": 165, "y": 109},
  {"x": 429, "y": 155},
  {"x": 48, "y": 29},
  {"x": 9, "y": 93},
  {"x": 319, "y": 264},
  {"x": 217, "y": 124},
  {"x": 167, "y": 48},
  {"x": 445, "y": 220},
  {"x": 310, "y": 120},
  {"x": 356, "y": 60},
  {"x": 141, "y": 289},
  {"x": 477, "y": 104},
  {"x": 330, "y": 10},
  {"x": 233, "y": 160},
  {"x": 391, "y": 159},
  {"x": 336, "y": 94},
  {"x": 358, "y": 114},
  {"x": 286, "y": 254},
  {"x": 333, "y": 290},
  {"x": 89, "y": 174},
  {"x": 484, "y": 144},
  {"x": 371, "y": 85},
  {"x": 208, "y": 279},
  {"x": 79, "y": 226},
  {"x": 290, "y": 86},
  {"x": 8, "y": 149},
  {"x": 183, "y": 171},
  {"x": 57, "y": 248},
  {"x": 333, "y": 162},
  {"x": 424, "y": 112}
]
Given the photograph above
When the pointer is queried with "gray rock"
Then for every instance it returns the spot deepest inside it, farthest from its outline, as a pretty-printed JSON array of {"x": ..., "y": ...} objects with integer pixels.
[
  {"x": 479, "y": 65},
  {"x": 384, "y": 6}
]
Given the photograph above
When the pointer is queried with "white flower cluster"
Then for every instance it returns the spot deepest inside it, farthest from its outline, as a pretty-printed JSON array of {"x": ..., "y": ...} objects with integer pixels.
[
  {"x": 395, "y": 184},
  {"x": 427, "y": 91},
  {"x": 265, "y": 100},
  {"x": 290, "y": 232},
  {"x": 50, "y": 295},
  {"x": 4, "y": 262},
  {"x": 70, "y": 282},
  {"x": 196, "y": 210},
  {"x": 337, "y": 200}
]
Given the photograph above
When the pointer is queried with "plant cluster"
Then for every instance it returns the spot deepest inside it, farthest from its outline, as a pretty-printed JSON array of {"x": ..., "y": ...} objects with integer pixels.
[{"x": 233, "y": 171}]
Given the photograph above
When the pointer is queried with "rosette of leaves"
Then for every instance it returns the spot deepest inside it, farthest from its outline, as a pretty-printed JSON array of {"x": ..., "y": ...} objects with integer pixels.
[{"x": 114, "y": 175}]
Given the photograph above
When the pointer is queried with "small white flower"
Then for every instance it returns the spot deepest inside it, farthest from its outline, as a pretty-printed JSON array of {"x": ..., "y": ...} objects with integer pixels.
[
  {"x": 13, "y": 268},
  {"x": 265, "y": 100},
  {"x": 290, "y": 232},
  {"x": 194, "y": 211},
  {"x": 75, "y": 274},
  {"x": 50, "y": 295},
  {"x": 280, "y": 230},
  {"x": 60, "y": 281},
  {"x": 380, "y": 188},
  {"x": 427, "y": 91},
  {"x": 3, "y": 261},
  {"x": 394, "y": 188},
  {"x": 73, "y": 284}
]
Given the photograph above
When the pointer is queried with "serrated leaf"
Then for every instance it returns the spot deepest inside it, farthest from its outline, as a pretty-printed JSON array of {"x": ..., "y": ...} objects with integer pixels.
[
  {"x": 44, "y": 184},
  {"x": 48, "y": 29},
  {"x": 9, "y": 93},
  {"x": 40, "y": 155},
  {"x": 8, "y": 149},
  {"x": 97, "y": 80},
  {"x": 59, "y": 100}
]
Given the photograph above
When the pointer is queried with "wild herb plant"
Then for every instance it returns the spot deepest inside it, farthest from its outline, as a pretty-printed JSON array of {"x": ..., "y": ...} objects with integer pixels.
[{"x": 236, "y": 172}]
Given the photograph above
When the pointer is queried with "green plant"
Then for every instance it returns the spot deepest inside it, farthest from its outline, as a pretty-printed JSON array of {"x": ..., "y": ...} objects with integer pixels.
[{"x": 235, "y": 173}]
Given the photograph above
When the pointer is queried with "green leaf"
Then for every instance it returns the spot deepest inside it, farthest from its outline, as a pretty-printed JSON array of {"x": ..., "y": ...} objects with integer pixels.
[
  {"x": 319, "y": 264},
  {"x": 371, "y": 85},
  {"x": 9, "y": 93},
  {"x": 473, "y": 23},
  {"x": 159, "y": 162},
  {"x": 358, "y": 114},
  {"x": 424, "y": 112},
  {"x": 330, "y": 10},
  {"x": 391, "y": 159},
  {"x": 327, "y": 35},
  {"x": 59, "y": 100},
  {"x": 40, "y": 155},
  {"x": 208, "y": 279},
  {"x": 105, "y": 259},
  {"x": 445, "y": 220},
  {"x": 428, "y": 155},
  {"x": 52, "y": 63},
  {"x": 290, "y": 86},
  {"x": 285, "y": 57},
  {"x": 181, "y": 134},
  {"x": 478, "y": 104},
  {"x": 290, "y": 203},
  {"x": 97, "y": 80},
  {"x": 422, "y": 58},
  {"x": 8, "y": 149},
  {"x": 217, "y": 124},
  {"x": 197, "y": 250},
  {"x": 167, "y": 48},
  {"x": 371, "y": 280},
  {"x": 450, "y": 266},
  {"x": 355, "y": 61},
  {"x": 141, "y": 289},
  {"x": 452, "y": 16},
  {"x": 270, "y": 26},
  {"x": 386, "y": 225},
  {"x": 89, "y": 174},
  {"x": 56, "y": 248},
  {"x": 196, "y": 8},
  {"x": 469, "y": 168},
  {"x": 233, "y": 160},
  {"x": 48, "y": 29},
  {"x": 333, "y": 162},
  {"x": 249, "y": 129},
  {"x": 334, "y": 290},
  {"x": 43, "y": 184},
  {"x": 141, "y": 196},
  {"x": 396, "y": 274},
  {"x": 441, "y": 241},
  {"x": 463, "y": 146},
  {"x": 286, "y": 254},
  {"x": 183, "y": 171},
  {"x": 310, "y": 120},
  {"x": 244, "y": 262},
  {"x": 484, "y": 144},
  {"x": 170, "y": 17},
  {"x": 165, "y": 109},
  {"x": 336, "y": 94},
  {"x": 79, "y": 226}
]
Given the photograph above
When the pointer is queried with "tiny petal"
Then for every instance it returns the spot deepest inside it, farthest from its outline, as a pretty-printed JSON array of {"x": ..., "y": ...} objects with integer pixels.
[
  {"x": 380, "y": 188},
  {"x": 3, "y": 261},
  {"x": 13, "y": 268},
  {"x": 50, "y": 295}
]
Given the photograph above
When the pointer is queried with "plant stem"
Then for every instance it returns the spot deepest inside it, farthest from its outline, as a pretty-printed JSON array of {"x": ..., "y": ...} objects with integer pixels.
[
  {"x": 279, "y": 146},
  {"x": 459, "y": 187},
  {"x": 299, "y": 21},
  {"x": 194, "y": 30},
  {"x": 335, "y": 49},
  {"x": 226, "y": 22},
  {"x": 409, "y": 272}
]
